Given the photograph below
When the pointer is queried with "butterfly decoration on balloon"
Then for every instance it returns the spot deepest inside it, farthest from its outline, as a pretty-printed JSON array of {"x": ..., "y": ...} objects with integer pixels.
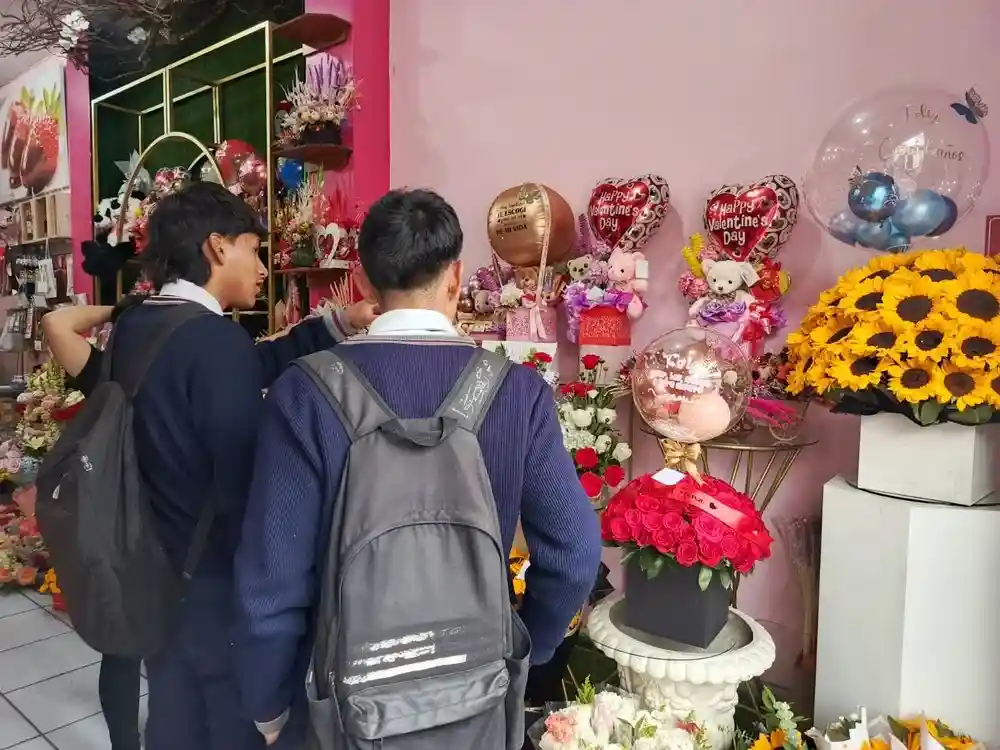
[{"x": 915, "y": 162}]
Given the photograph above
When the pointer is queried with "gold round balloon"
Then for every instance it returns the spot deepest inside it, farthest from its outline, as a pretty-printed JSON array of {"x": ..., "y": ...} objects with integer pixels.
[{"x": 529, "y": 221}]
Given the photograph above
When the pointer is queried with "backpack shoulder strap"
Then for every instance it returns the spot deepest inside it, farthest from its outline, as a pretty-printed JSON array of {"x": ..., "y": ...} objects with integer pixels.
[
  {"x": 475, "y": 389},
  {"x": 131, "y": 373},
  {"x": 358, "y": 405}
]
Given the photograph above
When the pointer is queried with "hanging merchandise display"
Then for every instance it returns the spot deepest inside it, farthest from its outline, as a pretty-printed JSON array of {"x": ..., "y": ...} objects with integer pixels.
[{"x": 903, "y": 163}]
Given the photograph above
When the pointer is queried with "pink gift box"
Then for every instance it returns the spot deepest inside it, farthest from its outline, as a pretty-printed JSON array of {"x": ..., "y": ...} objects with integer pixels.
[{"x": 531, "y": 324}]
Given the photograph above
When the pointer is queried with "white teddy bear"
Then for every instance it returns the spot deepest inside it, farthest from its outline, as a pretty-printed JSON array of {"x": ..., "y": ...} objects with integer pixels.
[{"x": 728, "y": 280}]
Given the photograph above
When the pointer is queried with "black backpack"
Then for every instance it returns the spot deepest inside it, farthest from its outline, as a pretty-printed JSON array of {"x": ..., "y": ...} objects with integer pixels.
[
  {"x": 94, "y": 513},
  {"x": 417, "y": 646}
]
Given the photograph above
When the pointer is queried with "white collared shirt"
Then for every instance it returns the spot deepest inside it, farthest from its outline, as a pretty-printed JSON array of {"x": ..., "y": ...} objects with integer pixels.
[
  {"x": 192, "y": 293},
  {"x": 412, "y": 322}
]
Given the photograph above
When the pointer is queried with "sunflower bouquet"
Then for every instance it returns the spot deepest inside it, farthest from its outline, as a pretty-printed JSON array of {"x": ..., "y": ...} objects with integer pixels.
[{"x": 916, "y": 334}]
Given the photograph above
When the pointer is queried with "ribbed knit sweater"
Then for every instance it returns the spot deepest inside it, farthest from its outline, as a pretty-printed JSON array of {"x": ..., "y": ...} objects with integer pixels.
[{"x": 301, "y": 454}]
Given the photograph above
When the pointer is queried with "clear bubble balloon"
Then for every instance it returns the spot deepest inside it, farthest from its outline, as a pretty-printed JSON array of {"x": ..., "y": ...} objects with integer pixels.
[
  {"x": 890, "y": 152},
  {"x": 691, "y": 384}
]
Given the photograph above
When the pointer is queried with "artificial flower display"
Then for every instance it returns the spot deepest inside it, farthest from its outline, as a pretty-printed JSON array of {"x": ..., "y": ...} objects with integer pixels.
[
  {"x": 777, "y": 729},
  {"x": 587, "y": 417},
  {"x": 611, "y": 720},
  {"x": 856, "y": 732},
  {"x": 314, "y": 109},
  {"x": 916, "y": 334},
  {"x": 702, "y": 523}
]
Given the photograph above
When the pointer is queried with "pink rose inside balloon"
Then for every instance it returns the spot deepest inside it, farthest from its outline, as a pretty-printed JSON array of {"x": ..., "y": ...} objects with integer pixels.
[
  {"x": 691, "y": 384},
  {"x": 230, "y": 156},
  {"x": 253, "y": 175}
]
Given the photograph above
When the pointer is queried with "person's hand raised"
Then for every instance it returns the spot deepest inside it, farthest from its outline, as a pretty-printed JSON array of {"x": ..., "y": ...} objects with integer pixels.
[{"x": 361, "y": 314}]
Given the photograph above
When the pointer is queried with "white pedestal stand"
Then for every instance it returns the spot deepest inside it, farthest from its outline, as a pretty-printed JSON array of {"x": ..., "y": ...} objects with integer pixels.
[
  {"x": 685, "y": 679},
  {"x": 909, "y": 610}
]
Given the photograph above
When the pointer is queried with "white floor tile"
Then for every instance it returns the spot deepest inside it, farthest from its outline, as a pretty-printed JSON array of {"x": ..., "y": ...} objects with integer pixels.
[
  {"x": 39, "y": 743},
  {"x": 90, "y": 733},
  {"x": 12, "y": 603},
  {"x": 13, "y": 728},
  {"x": 39, "y": 661},
  {"x": 28, "y": 627},
  {"x": 38, "y": 597},
  {"x": 61, "y": 700}
]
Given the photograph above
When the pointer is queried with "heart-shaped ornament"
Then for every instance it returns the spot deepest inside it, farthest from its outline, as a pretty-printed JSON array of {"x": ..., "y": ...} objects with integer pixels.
[
  {"x": 752, "y": 222},
  {"x": 328, "y": 239},
  {"x": 625, "y": 213}
]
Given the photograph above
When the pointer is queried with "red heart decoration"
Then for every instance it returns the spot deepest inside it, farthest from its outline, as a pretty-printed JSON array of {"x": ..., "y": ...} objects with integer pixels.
[
  {"x": 752, "y": 222},
  {"x": 625, "y": 213}
]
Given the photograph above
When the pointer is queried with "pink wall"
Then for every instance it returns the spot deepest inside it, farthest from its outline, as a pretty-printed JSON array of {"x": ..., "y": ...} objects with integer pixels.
[
  {"x": 488, "y": 95},
  {"x": 81, "y": 189}
]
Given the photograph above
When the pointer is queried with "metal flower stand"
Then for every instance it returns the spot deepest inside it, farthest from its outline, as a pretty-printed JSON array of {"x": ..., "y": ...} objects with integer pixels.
[{"x": 684, "y": 679}]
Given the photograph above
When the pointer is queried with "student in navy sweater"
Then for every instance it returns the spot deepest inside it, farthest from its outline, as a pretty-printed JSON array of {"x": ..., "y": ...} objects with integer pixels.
[
  {"x": 196, "y": 420},
  {"x": 409, "y": 247}
]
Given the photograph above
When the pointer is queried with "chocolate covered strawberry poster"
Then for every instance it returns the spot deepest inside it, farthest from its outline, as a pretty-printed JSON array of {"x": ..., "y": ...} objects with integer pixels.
[{"x": 33, "y": 153}]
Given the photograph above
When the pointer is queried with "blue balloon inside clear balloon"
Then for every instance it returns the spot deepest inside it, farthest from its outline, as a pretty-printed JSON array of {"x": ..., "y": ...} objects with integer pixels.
[
  {"x": 950, "y": 218},
  {"x": 844, "y": 225},
  {"x": 292, "y": 173},
  {"x": 921, "y": 213},
  {"x": 883, "y": 236},
  {"x": 873, "y": 196}
]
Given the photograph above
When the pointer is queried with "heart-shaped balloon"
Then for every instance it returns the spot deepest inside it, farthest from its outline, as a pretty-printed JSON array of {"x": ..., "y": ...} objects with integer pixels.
[
  {"x": 625, "y": 213},
  {"x": 752, "y": 222}
]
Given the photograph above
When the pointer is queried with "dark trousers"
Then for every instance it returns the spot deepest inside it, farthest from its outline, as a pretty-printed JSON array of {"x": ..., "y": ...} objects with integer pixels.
[
  {"x": 119, "y": 691},
  {"x": 193, "y": 695}
]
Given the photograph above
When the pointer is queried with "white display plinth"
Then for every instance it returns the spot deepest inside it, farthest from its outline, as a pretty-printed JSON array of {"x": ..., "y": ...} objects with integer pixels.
[
  {"x": 909, "y": 611},
  {"x": 946, "y": 463},
  {"x": 684, "y": 679}
]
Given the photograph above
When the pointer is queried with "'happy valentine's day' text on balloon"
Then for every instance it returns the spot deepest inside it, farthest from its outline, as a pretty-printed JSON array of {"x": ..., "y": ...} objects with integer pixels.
[
  {"x": 625, "y": 213},
  {"x": 750, "y": 223}
]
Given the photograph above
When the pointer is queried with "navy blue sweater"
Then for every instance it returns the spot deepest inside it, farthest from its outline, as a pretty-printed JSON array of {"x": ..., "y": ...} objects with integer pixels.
[
  {"x": 301, "y": 453},
  {"x": 196, "y": 418}
]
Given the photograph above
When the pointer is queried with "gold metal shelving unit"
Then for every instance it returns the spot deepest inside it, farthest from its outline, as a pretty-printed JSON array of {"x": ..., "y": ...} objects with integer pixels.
[{"x": 206, "y": 72}]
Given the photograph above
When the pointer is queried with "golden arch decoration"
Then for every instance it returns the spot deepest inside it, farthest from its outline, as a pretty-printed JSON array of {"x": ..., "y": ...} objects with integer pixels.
[{"x": 204, "y": 155}]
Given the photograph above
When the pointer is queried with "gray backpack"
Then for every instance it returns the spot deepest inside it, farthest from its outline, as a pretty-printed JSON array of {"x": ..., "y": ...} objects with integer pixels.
[{"x": 417, "y": 646}]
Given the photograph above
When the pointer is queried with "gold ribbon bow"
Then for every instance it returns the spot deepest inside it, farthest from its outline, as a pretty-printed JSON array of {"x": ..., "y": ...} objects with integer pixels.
[{"x": 682, "y": 457}]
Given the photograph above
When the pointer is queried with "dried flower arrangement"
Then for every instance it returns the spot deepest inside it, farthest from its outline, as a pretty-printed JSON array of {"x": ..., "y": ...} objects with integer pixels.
[
  {"x": 314, "y": 109},
  {"x": 296, "y": 222}
]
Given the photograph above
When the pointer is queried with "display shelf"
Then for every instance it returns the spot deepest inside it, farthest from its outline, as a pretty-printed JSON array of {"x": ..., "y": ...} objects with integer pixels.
[
  {"x": 339, "y": 267},
  {"x": 41, "y": 218},
  {"x": 330, "y": 156},
  {"x": 317, "y": 30}
]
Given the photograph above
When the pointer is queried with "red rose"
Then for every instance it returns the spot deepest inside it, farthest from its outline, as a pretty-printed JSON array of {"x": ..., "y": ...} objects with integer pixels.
[
  {"x": 614, "y": 475},
  {"x": 743, "y": 563},
  {"x": 620, "y": 530},
  {"x": 634, "y": 518},
  {"x": 586, "y": 459},
  {"x": 647, "y": 503},
  {"x": 730, "y": 544},
  {"x": 530, "y": 363},
  {"x": 686, "y": 554},
  {"x": 652, "y": 521},
  {"x": 566, "y": 389},
  {"x": 581, "y": 389},
  {"x": 709, "y": 553},
  {"x": 673, "y": 521},
  {"x": 644, "y": 537},
  {"x": 709, "y": 528},
  {"x": 605, "y": 527},
  {"x": 542, "y": 357},
  {"x": 590, "y": 361},
  {"x": 688, "y": 534},
  {"x": 592, "y": 484},
  {"x": 664, "y": 541}
]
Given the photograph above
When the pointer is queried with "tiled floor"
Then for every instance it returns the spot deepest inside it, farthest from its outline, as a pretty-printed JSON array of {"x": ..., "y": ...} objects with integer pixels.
[{"x": 48, "y": 680}]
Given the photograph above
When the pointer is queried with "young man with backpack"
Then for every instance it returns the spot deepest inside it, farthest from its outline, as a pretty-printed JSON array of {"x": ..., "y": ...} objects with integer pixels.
[
  {"x": 142, "y": 499},
  {"x": 389, "y": 481}
]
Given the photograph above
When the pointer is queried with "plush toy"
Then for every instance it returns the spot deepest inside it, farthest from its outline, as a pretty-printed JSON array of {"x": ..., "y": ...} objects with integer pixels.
[
  {"x": 729, "y": 281},
  {"x": 526, "y": 280},
  {"x": 579, "y": 267},
  {"x": 627, "y": 273},
  {"x": 484, "y": 302}
]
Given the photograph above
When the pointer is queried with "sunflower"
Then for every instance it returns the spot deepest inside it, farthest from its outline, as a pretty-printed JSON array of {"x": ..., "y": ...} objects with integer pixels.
[
  {"x": 857, "y": 372},
  {"x": 963, "y": 387},
  {"x": 975, "y": 345},
  {"x": 991, "y": 389},
  {"x": 928, "y": 339},
  {"x": 833, "y": 330},
  {"x": 772, "y": 741},
  {"x": 817, "y": 372},
  {"x": 939, "y": 265},
  {"x": 908, "y": 298},
  {"x": 872, "y": 336},
  {"x": 864, "y": 297},
  {"x": 885, "y": 265},
  {"x": 974, "y": 297},
  {"x": 915, "y": 381}
]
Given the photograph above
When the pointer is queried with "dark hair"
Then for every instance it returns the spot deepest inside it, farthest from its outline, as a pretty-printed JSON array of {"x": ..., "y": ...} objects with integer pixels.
[
  {"x": 179, "y": 225},
  {"x": 407, "y": 239}
]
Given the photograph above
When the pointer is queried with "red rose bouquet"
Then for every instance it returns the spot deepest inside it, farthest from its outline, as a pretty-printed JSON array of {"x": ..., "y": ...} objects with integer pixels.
[{"x": 709, "y": 524}]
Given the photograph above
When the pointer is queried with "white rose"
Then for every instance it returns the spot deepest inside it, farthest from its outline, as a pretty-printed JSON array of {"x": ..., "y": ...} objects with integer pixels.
[
  {"x": 606, "y": 416},
  {"x": 582, "y": 417},
  {"x": 592, "y": 393},
  {"x": 602, "y": 443},
  {"x": 621, "y": 453}
]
